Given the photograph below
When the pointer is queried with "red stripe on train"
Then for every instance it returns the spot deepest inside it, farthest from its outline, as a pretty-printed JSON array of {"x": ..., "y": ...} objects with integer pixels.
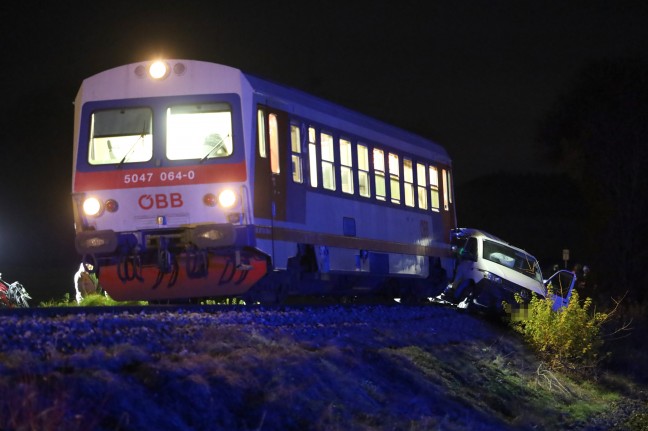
[{"x": 159, "y": 177}]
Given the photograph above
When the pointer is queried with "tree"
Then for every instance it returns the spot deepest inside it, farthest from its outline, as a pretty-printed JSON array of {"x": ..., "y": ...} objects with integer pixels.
[{"x": 598, "y": 130}]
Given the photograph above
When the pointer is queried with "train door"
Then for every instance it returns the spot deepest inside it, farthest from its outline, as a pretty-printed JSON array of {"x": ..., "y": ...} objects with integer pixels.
[
  {"x": 270, "y": 169},
  {"x": 447, "y": 197}
]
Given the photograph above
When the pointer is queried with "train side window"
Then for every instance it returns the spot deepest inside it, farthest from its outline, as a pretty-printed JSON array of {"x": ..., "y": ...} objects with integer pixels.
[
  {"x": 312, "y": 156},
  {"x": 346, "y": 166},
  {"x": 364, "y": 185},
  {"x": 394, "y": 178},
  {"x": 261, "y": 138},
  {"x": 408, "y": 185},
  {"x": 274, "y": 143},
  {"x": 379, "y": 173},
  {"x": 449, "y": 187},
  {"x": 434, "y": 188},
  {"x": 296, "y": 157},
  {"x": 444, "y": 178},
  {"x": 328, "y": 159},
  {"x": 421, "y": 184},
  {"x": 120, "y": 136}
]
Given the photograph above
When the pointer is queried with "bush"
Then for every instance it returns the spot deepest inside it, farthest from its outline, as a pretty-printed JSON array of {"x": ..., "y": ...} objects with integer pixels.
[{"x": 568, "y": 339}]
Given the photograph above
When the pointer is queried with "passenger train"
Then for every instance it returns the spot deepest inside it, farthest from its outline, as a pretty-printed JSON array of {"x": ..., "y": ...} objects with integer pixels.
[{"x": 197, "y": 180}]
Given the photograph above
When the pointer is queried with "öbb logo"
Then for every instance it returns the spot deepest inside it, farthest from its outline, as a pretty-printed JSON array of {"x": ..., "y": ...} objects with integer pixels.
[{"x": 160, "y": 201}]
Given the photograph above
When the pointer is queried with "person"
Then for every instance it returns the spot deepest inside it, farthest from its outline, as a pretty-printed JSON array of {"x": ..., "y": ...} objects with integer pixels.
[
  {"x": 586, "y": 284},
  {"x": 85, "y": 283}
]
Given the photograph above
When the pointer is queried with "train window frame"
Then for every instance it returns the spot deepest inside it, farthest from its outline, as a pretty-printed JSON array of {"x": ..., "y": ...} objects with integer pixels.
[
  {"x": 296, "y": 160},
  {"x": 136, "y": 146},
  {"x": 312, "y": 157},
  {"x": 346, "y": 166},
  {"x": 378, "y": 159},
  {"x": 393, "y": 163},
  {"x": 433, "y": 172},
  {"x": 421, "y": 184},
  {"x": 327, "y": 160},
  {"x": 408, "y": 182},
  {"x": 353, "y": 168},
  {"x": 364, "y": 169},
  {"x": 450, "y": 190},
  {"x": 208, "y": 125},
  {"x": 261, "y": 134},
  {"x": 444, "y": 180},
  {"x": 273, "y": 135}
]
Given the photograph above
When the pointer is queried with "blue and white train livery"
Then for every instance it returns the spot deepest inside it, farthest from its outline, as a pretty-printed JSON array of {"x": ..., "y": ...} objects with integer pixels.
[{"x": 196, "y": 180}]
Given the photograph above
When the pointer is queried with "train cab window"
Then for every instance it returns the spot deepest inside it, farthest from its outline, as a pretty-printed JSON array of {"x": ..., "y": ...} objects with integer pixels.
[
  {"x": 379, "y": 173},
  {"x": 444, "y": 178},
  {"x": 202, "y": 131},
  {"x": 261, "y": 138},
  {"x": 408, "y": 184},
  {"x": 120, "y": 136},
  {"x": 273, "y": 128},
  {"x": 394, "y": 178},
  {"x": 434, "y": 188},
  {"x": 421, "y": 185},
  {"x": 364, "y": 186},
  {"x": 296, "y": 156},
  {"x": 312, "y": 156},
  {"x": 328, "y": 160},
  {"x": 346, "y": 166}
]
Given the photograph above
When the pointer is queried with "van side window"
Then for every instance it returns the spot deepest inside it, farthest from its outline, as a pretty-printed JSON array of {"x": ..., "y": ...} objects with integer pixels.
[{"x": 470, "y": 249}]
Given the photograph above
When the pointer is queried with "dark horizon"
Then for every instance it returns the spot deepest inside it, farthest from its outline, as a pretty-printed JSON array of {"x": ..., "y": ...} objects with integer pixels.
[{"x": 478, "y": 78}]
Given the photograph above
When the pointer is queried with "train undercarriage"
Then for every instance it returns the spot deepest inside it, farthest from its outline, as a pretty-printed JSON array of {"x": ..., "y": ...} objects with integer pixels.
[{"x": 166, "y": 267}]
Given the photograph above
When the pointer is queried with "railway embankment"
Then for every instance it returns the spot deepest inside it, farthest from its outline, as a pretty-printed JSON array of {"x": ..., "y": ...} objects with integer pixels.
[{"x": 318, "y": 368}]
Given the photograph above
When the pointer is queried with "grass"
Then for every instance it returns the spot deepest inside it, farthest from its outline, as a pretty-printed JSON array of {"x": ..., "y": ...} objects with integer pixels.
[
  {"x": 251, "y": 377},
  {"x": 92, "y": 300}
]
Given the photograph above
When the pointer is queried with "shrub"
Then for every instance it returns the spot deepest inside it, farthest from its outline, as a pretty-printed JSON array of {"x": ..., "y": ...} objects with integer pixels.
[{"x": 568, "y": 339}]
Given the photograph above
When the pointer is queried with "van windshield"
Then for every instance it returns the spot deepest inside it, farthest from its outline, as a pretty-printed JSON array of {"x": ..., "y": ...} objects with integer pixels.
[{"x": 512, "y": 258}]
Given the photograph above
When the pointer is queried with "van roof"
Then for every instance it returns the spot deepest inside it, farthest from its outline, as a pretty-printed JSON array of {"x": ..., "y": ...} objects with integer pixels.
[{"x": 464, "y": 232}]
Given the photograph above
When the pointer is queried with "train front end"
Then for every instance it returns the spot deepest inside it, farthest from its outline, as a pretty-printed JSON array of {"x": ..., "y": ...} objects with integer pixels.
[{"x": 161, "y": 192}]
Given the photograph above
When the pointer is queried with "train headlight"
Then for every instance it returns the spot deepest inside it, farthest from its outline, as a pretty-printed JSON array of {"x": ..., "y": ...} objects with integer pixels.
[
  {"x": 227, "y": 198},
  {"x": 92, "y": 207},
  {"x": 158, "y": 70}
]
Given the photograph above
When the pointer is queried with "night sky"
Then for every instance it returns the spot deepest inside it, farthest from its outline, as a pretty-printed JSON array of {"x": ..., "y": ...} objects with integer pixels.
[{"x": 475, "y": 76}]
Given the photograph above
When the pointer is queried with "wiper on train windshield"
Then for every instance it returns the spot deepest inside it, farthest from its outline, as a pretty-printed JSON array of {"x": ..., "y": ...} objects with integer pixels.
[
  {"x": 123, "y": 160},
  {"x": 219, "y": 143}
]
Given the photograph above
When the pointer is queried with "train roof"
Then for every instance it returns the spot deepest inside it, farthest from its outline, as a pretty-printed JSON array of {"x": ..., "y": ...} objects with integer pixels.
[
  {"x": 275, "y": 95},
  {"x": 301, "y": 101}
]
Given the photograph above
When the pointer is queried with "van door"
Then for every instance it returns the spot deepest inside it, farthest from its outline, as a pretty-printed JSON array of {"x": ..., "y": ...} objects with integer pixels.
[{"x": 561, "y": 285}]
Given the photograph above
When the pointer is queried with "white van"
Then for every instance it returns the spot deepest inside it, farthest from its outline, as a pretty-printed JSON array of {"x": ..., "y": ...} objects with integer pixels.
[{"x": 490, "y": 271}]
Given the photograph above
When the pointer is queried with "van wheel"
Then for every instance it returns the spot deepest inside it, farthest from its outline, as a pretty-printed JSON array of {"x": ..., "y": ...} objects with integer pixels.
[{"x": 464, "y": 295}]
